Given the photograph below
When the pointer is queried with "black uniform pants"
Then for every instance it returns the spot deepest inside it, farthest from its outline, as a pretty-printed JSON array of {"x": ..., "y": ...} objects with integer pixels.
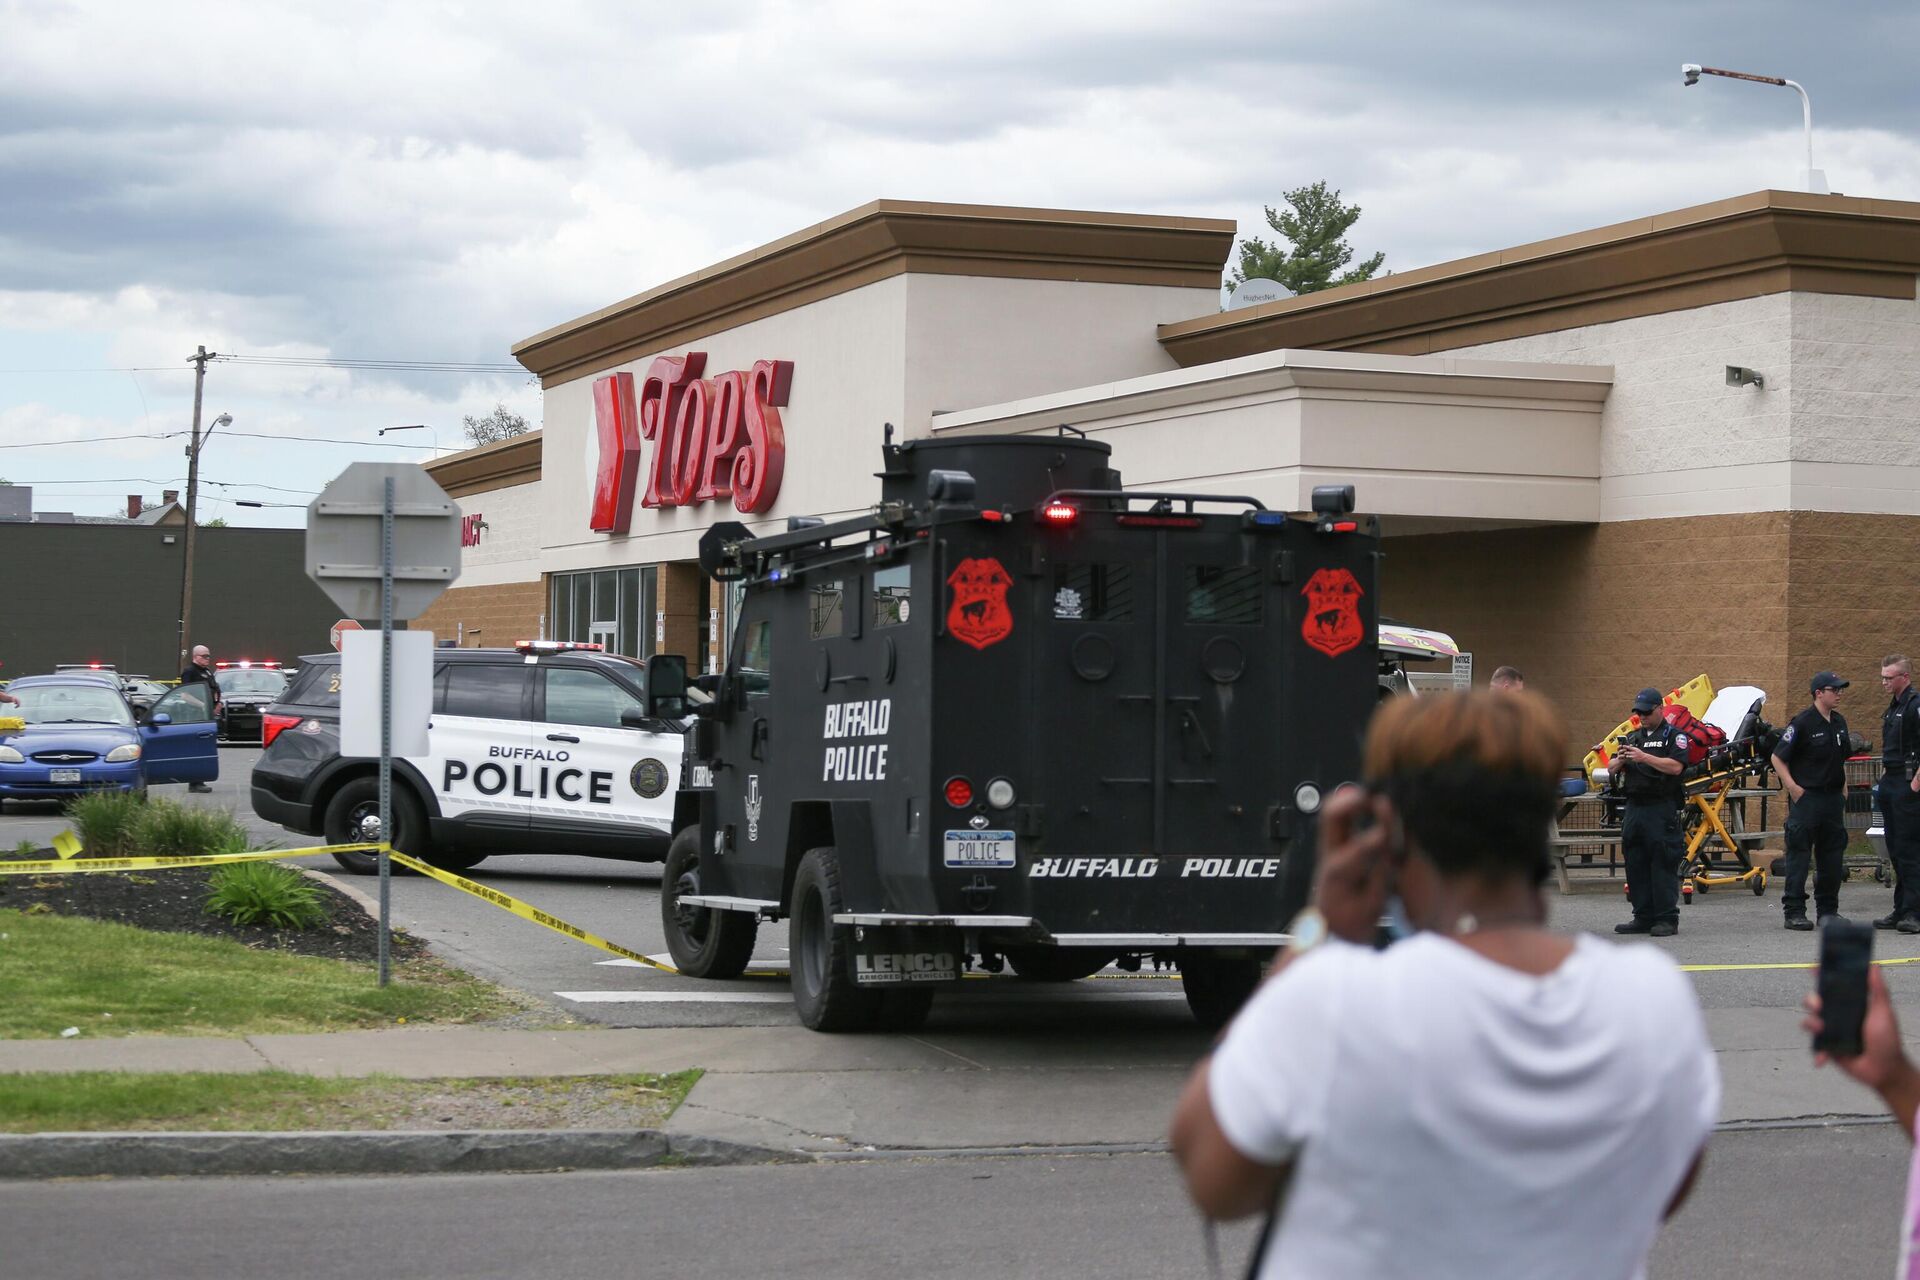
[
  {"x": 1816, "y": 832},
  {"x": 1900, "y": 820},
  {"x": 1653, "y": 846}
]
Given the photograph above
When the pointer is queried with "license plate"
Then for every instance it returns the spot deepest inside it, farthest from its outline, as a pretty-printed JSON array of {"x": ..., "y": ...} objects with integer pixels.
[
  {"x": 63, "y": 775},
  {"x": 980, "y": 849}
]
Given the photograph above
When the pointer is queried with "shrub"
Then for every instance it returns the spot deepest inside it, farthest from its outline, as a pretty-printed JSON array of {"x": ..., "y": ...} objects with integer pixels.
[
  {"x": 265, "y": 893},
  {"x": 106, "y": 822},
  {"x": 166, "y": 828}
]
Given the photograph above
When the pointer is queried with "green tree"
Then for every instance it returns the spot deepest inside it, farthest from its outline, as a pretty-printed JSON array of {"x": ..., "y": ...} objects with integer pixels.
[
  {"x": 218, "y": 522},
  {"x": 501, "y": 424},
  {"x": 1312, "y": 247}
]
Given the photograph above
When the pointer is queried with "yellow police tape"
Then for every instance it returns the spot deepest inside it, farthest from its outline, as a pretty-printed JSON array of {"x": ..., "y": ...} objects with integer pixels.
[
  {"x": 84, "y": 866},
  {"x": 507, "y": 902}
]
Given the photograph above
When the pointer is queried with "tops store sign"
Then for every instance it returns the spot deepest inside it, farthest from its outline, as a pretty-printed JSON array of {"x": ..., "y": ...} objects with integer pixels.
[{"x": 718, "y": 437}]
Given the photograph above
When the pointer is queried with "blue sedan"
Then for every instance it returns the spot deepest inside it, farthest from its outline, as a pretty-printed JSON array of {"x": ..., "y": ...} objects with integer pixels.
[{"x": 81, "y": 736}]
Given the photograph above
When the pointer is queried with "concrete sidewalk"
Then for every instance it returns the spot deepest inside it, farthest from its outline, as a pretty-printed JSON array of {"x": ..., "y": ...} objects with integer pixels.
[{"x": 790, "y": 1088}]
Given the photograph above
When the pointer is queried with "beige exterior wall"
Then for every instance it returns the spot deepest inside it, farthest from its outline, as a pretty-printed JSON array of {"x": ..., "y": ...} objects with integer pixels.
[
  {"x": 1420, "y": 436},
  {"x": 509, "y": 550},
  {"x": 1837, "y": 427}
]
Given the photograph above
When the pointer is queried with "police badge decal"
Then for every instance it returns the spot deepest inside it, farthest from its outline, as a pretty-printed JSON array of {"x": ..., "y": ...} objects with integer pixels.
[
  {"x": 1332, "y": 624},
  {"x": 979, "y": 615},
  {"x": 648, "y": 779}
]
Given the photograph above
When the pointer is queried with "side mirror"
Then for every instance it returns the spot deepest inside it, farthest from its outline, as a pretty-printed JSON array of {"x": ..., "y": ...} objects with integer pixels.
[
  {"x": 635, "y": 718},
  {"x": 666, "y": 687},
  {"x": 159, "y": 719}
]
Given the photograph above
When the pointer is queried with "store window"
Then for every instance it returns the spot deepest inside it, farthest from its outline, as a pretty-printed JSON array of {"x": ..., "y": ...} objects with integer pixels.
[{"x": 611, "y": 607}]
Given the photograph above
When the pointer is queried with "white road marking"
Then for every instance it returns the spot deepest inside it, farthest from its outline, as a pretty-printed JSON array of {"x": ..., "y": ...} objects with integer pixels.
[
  {"x": 1009, "y": 995},
  {"x": 754, "y": 966},
  {"x": 676, "y": 997}
]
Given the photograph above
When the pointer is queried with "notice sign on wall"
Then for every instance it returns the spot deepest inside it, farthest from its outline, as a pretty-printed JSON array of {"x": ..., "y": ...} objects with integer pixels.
[{"x": 1458, "y": 678}]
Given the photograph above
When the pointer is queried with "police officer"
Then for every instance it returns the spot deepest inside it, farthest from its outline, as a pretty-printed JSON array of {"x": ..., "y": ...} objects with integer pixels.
[
  {"x": 1647, "y": 766},
  {"x": 200, "y": 671},
  {"x": 1899, "y": 805},
  {"x": 1812, "y": 763}
]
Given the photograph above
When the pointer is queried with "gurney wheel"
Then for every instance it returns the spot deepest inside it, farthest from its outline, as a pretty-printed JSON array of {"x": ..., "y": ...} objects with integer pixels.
[
  {"x": 1882, "y": 875},
  {"x": 1760, "y": 885},
  {"x": 1703, "y": 886},
  {"x": 1687, "y": 892}
]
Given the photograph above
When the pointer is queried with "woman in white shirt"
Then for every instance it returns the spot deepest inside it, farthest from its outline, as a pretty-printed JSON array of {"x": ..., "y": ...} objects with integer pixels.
[{"x": 1484, "y": 1098}]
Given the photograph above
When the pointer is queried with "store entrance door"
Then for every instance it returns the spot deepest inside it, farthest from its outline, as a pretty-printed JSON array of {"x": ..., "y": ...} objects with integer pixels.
[{"x": 604, "y": 634}]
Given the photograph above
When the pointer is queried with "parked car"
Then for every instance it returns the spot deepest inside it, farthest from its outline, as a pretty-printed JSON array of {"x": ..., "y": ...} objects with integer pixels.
[
  {"x": 141, "y": 693},
  {"x": 246, "y": 689},
  {"x": 81, "y": 736}
]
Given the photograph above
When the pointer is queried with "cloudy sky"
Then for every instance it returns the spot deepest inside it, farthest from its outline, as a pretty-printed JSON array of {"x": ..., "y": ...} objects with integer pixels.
[{"x": 432, "y": 182}]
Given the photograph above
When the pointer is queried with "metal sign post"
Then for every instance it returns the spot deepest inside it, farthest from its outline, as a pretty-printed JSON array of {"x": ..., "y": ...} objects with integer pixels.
[{"x": 384, "y": 540}]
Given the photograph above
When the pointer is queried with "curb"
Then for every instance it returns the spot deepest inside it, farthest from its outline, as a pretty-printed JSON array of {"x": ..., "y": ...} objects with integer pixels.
[{"x": 247, "y": 1154}]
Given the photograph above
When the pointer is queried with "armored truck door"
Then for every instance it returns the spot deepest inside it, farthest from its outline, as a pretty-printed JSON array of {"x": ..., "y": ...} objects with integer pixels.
[
  {"x": 1225, "y": 731},
  {"x": 1094, "y": 693}
]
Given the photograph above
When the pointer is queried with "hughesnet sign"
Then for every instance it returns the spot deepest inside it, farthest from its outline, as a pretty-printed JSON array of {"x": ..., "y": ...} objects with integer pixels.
[{"x": 713, "y": 438}]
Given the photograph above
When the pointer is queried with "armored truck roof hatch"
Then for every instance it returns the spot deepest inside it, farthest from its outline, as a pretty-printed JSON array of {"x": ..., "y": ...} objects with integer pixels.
[{"x": 1017, "y": 714}]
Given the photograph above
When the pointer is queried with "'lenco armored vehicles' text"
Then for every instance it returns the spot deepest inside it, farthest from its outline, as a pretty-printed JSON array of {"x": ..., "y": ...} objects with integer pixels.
[{"x": 1016, "y": 715}]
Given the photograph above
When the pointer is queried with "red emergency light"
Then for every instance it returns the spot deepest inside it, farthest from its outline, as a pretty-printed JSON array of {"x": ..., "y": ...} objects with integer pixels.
[
  {"x": 959, "y": 792},
  {"x": 1058, "y": 513}
]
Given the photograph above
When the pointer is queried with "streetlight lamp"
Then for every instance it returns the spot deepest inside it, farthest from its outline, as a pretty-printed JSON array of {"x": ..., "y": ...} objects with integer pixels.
[
  {"x": 433, "y": 433},
  {"x": 193, "y": 495},
  {"x": 1812, "y": 179}
]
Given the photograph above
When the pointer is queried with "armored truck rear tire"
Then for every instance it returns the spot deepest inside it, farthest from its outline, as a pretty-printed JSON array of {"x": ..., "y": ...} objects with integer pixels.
[
  {"x": 1057, "y": 964},
  {"x": 705, "y": 943},
  {"x": 821, "y": 952},
  {"x": 1217, "y": 984}
]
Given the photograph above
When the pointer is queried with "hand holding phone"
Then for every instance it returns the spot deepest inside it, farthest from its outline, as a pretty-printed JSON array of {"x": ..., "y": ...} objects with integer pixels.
[
  {"x": 1360, "y": 848},
  {"x": 1846, "y": 958}
]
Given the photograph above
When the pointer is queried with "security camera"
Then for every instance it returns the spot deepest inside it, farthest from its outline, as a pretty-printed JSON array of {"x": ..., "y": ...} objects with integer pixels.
[
  {"x": 1739, "y": 377},
  {"x": 1691, "y": 70}
]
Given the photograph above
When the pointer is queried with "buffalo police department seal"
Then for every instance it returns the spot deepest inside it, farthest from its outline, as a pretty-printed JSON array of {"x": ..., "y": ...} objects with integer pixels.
[{"x": 649, "y": 779}]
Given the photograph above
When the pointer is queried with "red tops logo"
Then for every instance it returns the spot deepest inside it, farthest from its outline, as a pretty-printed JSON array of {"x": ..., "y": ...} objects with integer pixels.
[
  {"x": 712, "y": 438},
  {"x": 1332, "y": 624}
]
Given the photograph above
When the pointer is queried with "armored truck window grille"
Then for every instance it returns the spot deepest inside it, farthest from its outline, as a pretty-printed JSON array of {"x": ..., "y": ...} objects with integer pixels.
[
  {"x": 486, "y": 691},
  {"x": 1093, "y": 592},
  {"x": 825, "y": 609},
  {"x": 1223, "y": 594},
  {"x": 585, "y": 698},
  {"x": 614, "y": 607},
  {"x": 892, "y": 589}
]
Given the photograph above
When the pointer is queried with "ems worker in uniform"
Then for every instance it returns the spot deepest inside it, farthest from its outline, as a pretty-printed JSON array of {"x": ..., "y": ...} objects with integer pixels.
[
  {"x": 1899, "y": 805},
  {"x": 1812, "y": 763},
  {"x": 1647, "y": 765}
]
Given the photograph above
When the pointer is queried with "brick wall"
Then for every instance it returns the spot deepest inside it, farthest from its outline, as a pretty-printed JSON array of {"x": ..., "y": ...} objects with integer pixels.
[
  {"x": 1592, "y": 613},
  {"x": 1853, "y": 598},
  {"x": 501, "y": 614}
]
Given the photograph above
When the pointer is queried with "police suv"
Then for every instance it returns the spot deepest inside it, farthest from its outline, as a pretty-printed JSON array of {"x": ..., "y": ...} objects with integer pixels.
[
  {"x": 1019, "y": 715},
  {"x": 543, "y": 748}
]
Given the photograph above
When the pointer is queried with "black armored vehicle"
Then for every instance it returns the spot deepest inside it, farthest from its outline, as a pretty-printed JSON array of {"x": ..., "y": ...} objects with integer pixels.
[{"x": 1015, "y": 715}]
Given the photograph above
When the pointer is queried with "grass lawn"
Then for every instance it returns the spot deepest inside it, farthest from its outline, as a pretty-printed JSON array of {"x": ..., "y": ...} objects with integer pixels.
[
  {"x": 58, "y": 1102},
  {"x": 116, "y": 980}
]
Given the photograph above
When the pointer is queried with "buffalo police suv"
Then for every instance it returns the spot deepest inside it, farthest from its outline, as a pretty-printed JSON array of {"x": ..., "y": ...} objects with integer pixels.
[{"x": 547, "y": 747}]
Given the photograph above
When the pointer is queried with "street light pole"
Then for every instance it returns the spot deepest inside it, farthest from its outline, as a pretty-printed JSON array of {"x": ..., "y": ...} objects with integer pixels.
[
  {"x": 433, "y": 433},
  {"x": 199, "y": 362},
  {"x": 1811, "y": 179}
]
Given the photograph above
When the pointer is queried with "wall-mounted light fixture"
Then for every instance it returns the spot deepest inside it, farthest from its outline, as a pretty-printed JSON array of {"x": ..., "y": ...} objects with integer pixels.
[{"x": 1739, "y": 377}]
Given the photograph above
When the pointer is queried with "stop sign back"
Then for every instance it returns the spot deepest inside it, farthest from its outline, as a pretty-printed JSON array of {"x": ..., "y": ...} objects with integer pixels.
[{"x": 340, "y": 628}]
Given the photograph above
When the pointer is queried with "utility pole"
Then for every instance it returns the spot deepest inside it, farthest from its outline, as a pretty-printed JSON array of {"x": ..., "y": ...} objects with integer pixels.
[{"x": 199, "y": 363}]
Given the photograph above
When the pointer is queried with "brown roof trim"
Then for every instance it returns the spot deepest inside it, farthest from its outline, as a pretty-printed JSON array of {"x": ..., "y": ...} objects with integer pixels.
[
  {"x": 487, "y": 467},
  {"x": 1761, "y": 243},
  {"x": 874, "y": 242}
]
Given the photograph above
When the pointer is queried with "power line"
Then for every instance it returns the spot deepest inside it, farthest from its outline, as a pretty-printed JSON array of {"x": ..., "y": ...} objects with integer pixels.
[
  {"x": 223, "y": 484},
  {"x": 252, "y": 435},
  {"x": 344, "y": 362},
  {"x": 138, "y": 435}
]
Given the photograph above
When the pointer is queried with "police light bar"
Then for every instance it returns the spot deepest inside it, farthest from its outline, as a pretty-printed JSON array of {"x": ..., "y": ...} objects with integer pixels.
[
  {"x": 246, "y": 664},
  {"x": 1058, "y": 513},
  {"x": 557, "y": 646}
]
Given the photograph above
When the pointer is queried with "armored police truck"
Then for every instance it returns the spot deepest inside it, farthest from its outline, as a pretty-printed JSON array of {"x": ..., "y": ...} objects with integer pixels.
[{"x": 1017, "y": 715}]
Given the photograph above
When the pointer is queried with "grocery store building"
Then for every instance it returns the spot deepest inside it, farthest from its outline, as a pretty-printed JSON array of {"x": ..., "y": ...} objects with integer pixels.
[{"x": 1567, "y": 479}]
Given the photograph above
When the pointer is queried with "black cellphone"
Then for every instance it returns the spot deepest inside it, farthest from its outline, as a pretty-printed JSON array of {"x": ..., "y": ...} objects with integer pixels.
[{"x": 1846, "y": 952}]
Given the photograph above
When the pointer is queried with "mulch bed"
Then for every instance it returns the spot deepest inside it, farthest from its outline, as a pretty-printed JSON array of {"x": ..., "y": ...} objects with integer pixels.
[{"x": 173, "y": 902}]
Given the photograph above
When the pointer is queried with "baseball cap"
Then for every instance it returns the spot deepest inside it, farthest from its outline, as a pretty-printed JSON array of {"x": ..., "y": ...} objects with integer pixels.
[
  {"x": 1646, "y": 700},
  {"x": 1827, "y": 680}
]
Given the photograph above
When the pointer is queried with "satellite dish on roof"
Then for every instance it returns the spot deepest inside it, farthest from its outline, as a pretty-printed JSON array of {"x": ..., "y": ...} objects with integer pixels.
[{"x": 1253, "y": 292}]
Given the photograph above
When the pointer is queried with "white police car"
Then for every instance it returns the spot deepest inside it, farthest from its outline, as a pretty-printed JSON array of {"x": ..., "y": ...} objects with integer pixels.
[{"x": 547, "y": 747}]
